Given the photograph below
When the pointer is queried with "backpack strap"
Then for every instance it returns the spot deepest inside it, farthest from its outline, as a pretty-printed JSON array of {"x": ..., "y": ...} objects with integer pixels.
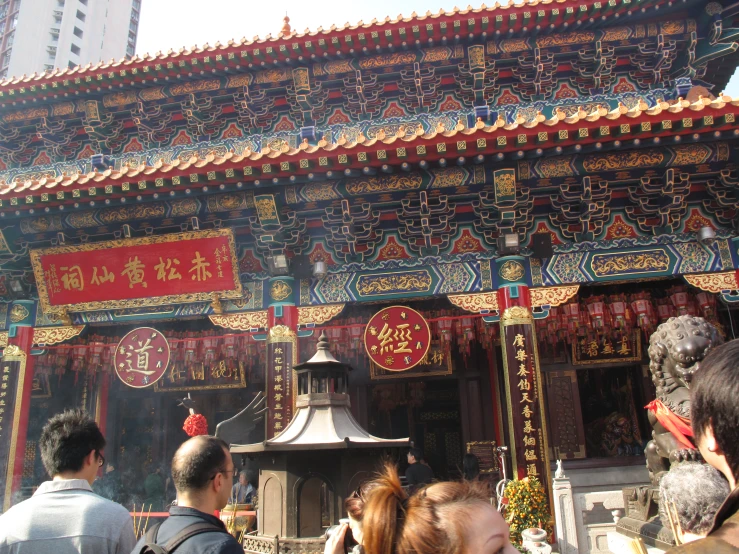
[
  {"x": 150, "y": 540},
  {"x": 191, "y": 531}
]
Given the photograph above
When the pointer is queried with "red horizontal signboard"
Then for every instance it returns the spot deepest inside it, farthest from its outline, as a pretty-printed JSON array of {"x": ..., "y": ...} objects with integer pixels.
[{"x": 182, "y": 267}]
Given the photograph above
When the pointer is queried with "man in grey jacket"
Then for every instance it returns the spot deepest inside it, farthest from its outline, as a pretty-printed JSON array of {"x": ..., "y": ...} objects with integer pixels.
[{"x": 64, "y": 516}]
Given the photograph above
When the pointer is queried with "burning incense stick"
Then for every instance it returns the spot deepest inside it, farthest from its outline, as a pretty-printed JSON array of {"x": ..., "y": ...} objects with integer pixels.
[
  {"x": 134, "y": 519},
  {"x": 147, "y": 519},
  {"x": 672, "y": 516}
]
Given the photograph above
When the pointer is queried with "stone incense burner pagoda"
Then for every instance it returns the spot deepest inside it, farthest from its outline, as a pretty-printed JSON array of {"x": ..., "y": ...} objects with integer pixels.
[{"x": 308, "y": 470}]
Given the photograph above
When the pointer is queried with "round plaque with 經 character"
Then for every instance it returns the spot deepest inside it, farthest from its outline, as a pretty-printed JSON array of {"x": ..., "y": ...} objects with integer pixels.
[
  {"x": 142, "y": 357},
  {"x": 397, "y": 338}
]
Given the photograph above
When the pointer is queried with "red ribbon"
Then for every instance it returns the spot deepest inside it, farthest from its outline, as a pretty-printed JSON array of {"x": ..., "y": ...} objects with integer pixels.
[{"x": 677, "y": 425}]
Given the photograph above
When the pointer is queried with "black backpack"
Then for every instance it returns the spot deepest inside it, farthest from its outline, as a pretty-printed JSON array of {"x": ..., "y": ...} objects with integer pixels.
[{"x": 151, "y": 547}]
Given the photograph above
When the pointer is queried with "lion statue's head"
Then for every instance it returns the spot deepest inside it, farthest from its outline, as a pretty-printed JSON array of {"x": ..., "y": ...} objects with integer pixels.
[{"x": 676, "y": 350}]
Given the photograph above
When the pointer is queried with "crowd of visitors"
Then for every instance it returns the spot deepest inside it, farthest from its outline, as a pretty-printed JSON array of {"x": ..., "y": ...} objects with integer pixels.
[{"x": 66, "y": 516}]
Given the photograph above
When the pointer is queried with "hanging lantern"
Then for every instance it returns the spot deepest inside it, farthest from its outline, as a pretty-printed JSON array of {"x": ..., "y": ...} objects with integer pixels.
[
  {"x": 96, "y": 355},
  {"x": 444, "y": 330},
  {"x": 210, "y": 346},
  {"x": 108, "y": 355},
  {"x": 79, "y": 352},
  {"x": 595, "y": 306},
  {"x": 572, "y": 315},
  {"x": 642, "y": 307},
  {"x": 617, "y": 306},
  {"x": 665, "y": 309},
  {"x": 680, "y": 300},
  {"x": 190, "y": 349},
  {"x": 707, "y": 304},
  {"x": 465, "y": 335}
]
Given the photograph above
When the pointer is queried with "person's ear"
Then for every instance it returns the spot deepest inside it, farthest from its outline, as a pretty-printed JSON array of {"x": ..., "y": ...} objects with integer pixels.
[
  {"x": 91, "y": 458},
  {"x": 710, "y": 440}
]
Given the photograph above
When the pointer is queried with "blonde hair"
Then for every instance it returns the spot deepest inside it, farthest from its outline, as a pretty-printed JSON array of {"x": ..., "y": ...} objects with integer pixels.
[{"x": 431, "y": 521}]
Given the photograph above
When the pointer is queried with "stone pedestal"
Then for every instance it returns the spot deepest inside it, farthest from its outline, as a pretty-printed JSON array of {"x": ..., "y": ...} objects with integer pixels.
[
  {"x": 620, "y": 544},
  {"x": 564, "y": 516},
  {"x": 642, "y": 518}
]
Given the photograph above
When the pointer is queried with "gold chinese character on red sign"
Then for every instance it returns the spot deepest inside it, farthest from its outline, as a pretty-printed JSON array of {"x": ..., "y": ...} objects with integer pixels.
[{"x": 397, "y": 338}]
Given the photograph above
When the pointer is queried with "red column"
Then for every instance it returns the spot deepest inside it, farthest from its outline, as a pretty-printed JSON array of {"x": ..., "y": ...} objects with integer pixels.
[
  {"x": 19, "y": 365},
  {"x": 527, "y": 426},
  {"x": 282, "y": 354}
]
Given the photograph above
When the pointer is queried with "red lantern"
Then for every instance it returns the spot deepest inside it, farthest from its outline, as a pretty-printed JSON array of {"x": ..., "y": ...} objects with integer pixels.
[
  {"x": 444, "y": 330},
  {"x": 96, "y": 355},
  {"x": 572, "y": 314},
  {"x": 707, "y": 303},
  {"x": 79, "y": 352},
  {"x": 596, "y": 310},
  {"x": 465, "y": 334},
  {"x": 618, "y": 310},
  {"x": 209, "y": 350},
  {"x": 642, "y": 307},
  {"x": 680, "y": 299}
]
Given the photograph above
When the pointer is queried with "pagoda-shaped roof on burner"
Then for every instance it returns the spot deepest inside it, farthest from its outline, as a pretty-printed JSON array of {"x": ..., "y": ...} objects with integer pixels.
[{"x": 323, "y": 420}]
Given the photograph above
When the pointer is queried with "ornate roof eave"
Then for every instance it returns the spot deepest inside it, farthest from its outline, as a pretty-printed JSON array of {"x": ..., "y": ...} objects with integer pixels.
[
  {"x": 388, "y": 33},
  {"x": 599, "y": 126}
]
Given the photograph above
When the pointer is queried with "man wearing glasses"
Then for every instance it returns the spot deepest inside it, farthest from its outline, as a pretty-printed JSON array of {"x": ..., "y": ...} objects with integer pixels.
[
  {"x": 202, "y": 471},
  {"x": 64, "y": 516}
]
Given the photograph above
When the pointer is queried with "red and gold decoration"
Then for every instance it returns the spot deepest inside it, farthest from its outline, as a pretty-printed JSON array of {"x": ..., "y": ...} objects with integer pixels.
[
  {"x": 206, "y": 361},
  {"x": 182, "y": 267},
  {"x": 142, "y": 357},
  {"x": 437, "y": 361},
  {"x": 607, "y": 348},
  {"x": 282, "y": 352},
  {"x": 12, "y": 375},
  {"x": 397, "y": 338},
  {"x": 524, "y": 394}
]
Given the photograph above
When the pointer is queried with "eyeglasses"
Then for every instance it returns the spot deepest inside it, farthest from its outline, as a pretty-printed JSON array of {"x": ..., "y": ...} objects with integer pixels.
[
  {"x": 101, "y": 459},
  {"x": 224, "y": 471}
]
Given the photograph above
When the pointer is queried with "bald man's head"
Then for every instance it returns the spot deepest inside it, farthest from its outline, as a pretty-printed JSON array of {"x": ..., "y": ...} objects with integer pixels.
[{"x": 197, "y": 461}]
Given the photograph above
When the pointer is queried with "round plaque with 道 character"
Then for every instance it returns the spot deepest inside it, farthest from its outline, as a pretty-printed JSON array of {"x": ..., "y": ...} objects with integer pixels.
[
  {"x": 397, "y": 338},
  {"x": 142, "y": 357}
]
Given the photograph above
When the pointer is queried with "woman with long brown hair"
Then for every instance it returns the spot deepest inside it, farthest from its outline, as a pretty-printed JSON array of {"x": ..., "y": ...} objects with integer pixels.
[{"x": 442, "y": 518}]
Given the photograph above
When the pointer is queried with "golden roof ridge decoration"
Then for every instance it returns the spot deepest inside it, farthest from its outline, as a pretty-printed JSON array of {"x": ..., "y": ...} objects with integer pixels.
[
  {"x": 94, "y": 177},
  {"x": 183, "y": 51}
]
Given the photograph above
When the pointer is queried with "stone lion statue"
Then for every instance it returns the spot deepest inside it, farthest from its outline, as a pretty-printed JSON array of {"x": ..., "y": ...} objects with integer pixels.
[{"x": 676, "y": 349}]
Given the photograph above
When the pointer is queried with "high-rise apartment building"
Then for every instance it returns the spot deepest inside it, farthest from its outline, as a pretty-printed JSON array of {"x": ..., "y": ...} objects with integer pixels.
[{"x": 40, "y": 35}]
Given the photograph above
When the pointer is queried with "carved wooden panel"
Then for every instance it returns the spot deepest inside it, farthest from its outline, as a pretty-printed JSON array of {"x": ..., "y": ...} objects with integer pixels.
[{"x": 565, "y": 415}]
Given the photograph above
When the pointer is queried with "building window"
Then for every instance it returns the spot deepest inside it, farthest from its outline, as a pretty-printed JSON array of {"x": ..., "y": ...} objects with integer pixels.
[
  {"x": 71, "y": 65},
  {"x": 48, "y": 67},
  {"x": 77, "y": 32},
  {"x": 83, "y": 2},
  {"x": 75, "y": 49},
  {"x": 130, "y": 50},
  {"x": 81, "y": 16}
]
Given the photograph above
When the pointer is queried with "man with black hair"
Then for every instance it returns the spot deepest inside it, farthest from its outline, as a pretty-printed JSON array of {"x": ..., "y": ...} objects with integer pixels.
[
  {"x": 64, "y": 516},
  {"x": 418, "y": 473},
  {"x": 202, "y": 471},
  {"x": 714, "y": 414}
]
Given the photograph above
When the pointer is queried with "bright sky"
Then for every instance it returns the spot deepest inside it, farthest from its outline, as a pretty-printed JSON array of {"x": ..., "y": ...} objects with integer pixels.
[{"x": 172, "y": 24}]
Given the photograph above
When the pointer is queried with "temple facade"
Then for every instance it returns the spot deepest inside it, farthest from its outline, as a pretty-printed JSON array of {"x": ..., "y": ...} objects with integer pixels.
[{"x": 541, "y": 183}]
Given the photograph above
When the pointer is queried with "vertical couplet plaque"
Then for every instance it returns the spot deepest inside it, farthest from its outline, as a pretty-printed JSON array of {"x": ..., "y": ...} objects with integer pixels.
[
  {"x": 282, "y": 352},
  {"x": 12, "y": 375},
  {"x": 527, "y": 424}
]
